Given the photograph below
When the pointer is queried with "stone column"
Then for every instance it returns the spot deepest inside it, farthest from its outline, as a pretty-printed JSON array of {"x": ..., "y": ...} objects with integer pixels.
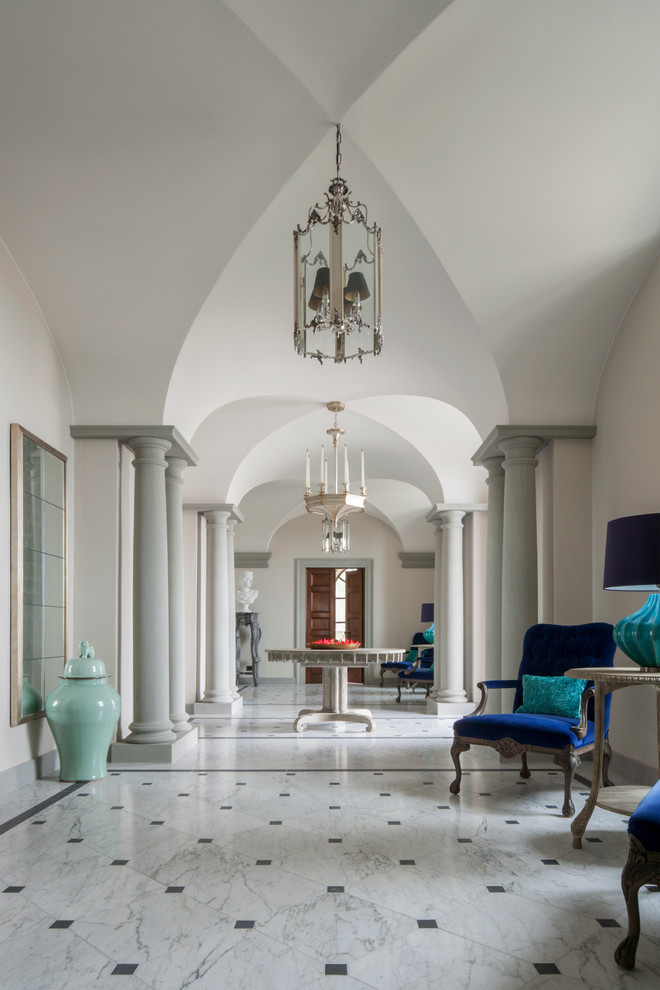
[
  {"x": 231, "y": 572},
  {"x": 151, "y": 696},
  {"x": 448, "y": 645},
  {"x": 174, "y": 502},
  {"x": 495, "y": 483},
  {"x": 220, "y": 695},
  {"x": 519, "y": 551}
]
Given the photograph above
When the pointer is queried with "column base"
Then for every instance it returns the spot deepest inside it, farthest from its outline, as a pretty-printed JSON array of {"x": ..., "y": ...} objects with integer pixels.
[
  {"x": 211, "y": 709},
  {"x": 449, "y": 709},
  {"x": 180, "y": 724},
  {"x": 169, "y": 752}
]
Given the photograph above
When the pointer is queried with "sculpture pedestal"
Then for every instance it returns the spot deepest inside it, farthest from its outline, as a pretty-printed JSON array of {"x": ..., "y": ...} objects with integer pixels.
[{"x": 249, "y": 620}]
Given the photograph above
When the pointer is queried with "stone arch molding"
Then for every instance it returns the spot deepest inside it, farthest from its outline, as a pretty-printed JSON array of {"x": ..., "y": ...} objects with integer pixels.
[{"x": 417, "y": 450}]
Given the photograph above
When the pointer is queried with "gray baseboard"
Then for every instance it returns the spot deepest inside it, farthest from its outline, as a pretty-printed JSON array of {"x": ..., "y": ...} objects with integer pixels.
[
  {"x": 625, "y": 770},
  {"x": 26, "y": 773}
]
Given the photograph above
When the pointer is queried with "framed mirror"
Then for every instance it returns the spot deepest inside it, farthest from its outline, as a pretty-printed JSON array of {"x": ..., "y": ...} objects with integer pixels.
[{"x": 38, "y": 572}]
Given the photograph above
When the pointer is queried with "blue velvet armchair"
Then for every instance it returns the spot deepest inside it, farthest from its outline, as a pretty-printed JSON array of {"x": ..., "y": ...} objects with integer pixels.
[
  {"x": 548, "y": 651},
  {"x": 402, "y": 666}
]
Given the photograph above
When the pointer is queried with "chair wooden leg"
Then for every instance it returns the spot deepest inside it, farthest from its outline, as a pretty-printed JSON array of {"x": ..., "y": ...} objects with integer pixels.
[
  {"x": 568, "y": 762},
  {"x": 398, "y": 697},
  {"x": 607, "y": 756},
  {"x": 632, "y": 879},
  {"x": 458, "y": 747},
  {"x": 381, "y": 678},
  {"x": 525, "y": 771}
]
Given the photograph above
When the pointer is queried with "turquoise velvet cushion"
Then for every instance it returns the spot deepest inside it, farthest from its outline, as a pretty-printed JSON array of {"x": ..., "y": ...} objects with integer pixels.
[
  {"x": 551, "y": 696},
  {"x": 428, "y": 633}
]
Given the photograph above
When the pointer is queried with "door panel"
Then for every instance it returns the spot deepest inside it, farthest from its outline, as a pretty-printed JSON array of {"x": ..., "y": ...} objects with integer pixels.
[{"x": 320, "y": 622}]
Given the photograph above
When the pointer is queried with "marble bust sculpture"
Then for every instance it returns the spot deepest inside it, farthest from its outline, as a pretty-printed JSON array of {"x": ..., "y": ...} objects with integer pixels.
[{"x": 245, "y": 593}]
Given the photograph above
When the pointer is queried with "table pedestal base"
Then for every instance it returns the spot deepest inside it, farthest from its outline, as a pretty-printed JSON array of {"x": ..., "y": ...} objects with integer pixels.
[{"x": 335, "y": 703}]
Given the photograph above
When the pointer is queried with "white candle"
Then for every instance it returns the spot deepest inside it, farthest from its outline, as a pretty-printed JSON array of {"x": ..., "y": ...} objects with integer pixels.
[
  {"x": 346, "y": 465},
  {"x": 322, "y": 475},
  {"x": 325, "y": 474},
  {"x": 362, "y": 468},
  {"x": 307, "y": 483}
]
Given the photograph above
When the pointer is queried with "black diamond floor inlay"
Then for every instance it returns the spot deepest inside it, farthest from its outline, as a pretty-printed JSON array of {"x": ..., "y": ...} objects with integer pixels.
[
  {"x": 334, "y": 840},
  {"x": 61, "y": 924},
  {"x": 274, "y": 823},
  {"x": 335, "y": 889},
  {"x": 511, "y": 821},
  {"x": 124, "y": 969},
  {"x": 199, "y": 841},
  {"x": 157, "y": 823},
  {"x": 464, "y": 841},
  {"x": 594, "y": 840},
  {"x": 334, "y": 807},
  {"x": 225, "y": 807},
  {"x": 174, "y": 890},
  {"x": 116, "y": 807},
  {"x": 443, "y": 807},
  {"x": 264, "y": 862},
  {"x": 427, "y": 923},
  {"x": 13, "y": 890},
  {"x": 546, "y": 969},
  {"x": 550, "y": 862},
  {"x": 119, "y": 862},
  {"x": 495, "y": 889},
  {"x": 406, "y": 862},
  {"x": 74, "y": 840},
  {"x": 244, "y": 924},
  {"x": 608, "y": 923},
  {"x": 336, "y": 969}
]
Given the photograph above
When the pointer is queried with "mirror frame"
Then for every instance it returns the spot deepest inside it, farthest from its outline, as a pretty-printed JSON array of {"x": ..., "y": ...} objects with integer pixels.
[{"x": 17, "y": 435}]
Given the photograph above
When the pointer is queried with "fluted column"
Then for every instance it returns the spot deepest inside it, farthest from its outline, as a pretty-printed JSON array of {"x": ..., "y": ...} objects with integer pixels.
[
  {"x": 448, "y": 688},
  {"x": 231, "y": 591},
  {"x": 219, "y": 695},
  {"x": 495, "y": 483},
  {"x": 151, "y": 722},
  {"x": 519, "y": 549},
  {"x": 174, "y": 503}
]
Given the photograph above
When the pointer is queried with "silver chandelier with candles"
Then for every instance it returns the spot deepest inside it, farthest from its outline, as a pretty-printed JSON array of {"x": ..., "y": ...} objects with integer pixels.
[
  {"x": 334, "y": 505},
  {"x": 337, "y": 278}
]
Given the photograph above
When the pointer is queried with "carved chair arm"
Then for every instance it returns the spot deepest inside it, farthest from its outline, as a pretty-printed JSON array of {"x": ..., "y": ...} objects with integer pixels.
[
  {"x": 580, "y": 729},
  {"x": 483, "y": 687}
]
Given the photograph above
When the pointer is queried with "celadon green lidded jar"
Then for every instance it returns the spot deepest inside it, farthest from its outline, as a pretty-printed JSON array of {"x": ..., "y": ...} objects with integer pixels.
[{"x": 82, "y": 712}]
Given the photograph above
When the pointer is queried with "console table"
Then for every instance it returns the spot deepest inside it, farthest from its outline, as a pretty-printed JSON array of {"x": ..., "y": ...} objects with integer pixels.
[
  {"x": 251, "y": 621},
  {"x": 334, "y": 665},
  {"x": 622, "y": 800}
]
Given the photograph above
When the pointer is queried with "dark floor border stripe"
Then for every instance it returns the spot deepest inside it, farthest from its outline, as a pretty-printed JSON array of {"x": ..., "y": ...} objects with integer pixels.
[
  {"x": 293, "y": 769},
  {"x": 13, "y": 822}
]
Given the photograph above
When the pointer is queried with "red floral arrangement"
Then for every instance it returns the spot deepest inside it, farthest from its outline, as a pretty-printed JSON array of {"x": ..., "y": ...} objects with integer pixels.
[{"x": 335, "y": 644}]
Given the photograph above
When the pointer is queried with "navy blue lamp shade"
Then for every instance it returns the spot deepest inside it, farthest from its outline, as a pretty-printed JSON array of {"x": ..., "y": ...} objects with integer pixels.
[
  {"x": 632, "y": 563},
  {"x": 427, "y": 612}
]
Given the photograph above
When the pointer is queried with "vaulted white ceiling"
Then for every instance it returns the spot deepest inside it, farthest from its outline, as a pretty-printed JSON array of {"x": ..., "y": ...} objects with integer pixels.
[{"x": 155, "y": 156}]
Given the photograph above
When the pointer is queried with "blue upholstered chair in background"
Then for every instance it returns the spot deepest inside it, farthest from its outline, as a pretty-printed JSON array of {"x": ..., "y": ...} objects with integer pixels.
[
  {"x": 643, "y": 867},
  {"x": 420, "y": 673},
  {"x": 403, "y": 665},
  {"x": 547, "y": 724}
]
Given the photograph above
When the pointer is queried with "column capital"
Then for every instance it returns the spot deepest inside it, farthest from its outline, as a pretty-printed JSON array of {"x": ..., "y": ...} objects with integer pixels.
[
  {"x": 493, "y": 465},
  {"x": 205, "y": 508},
  {"x": 443, "y": 511},
  {"x": 491, "y": 445},
  {"x": 127, "y": 433}
]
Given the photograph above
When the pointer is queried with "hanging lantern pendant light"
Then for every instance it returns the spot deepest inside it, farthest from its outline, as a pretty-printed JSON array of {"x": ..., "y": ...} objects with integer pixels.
[
  {"x": 337, "y": 278},
  {"x": 334, "y": 506}
]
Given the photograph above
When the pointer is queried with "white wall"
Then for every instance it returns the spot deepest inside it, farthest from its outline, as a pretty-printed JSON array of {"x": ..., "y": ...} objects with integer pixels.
[
  {"x": 626, "y": 481},
  {"x": 34, "y": 393}
]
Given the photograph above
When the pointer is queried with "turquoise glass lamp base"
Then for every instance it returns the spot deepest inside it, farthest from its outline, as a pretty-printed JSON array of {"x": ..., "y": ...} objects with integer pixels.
[{"x": 638, "y": 635}]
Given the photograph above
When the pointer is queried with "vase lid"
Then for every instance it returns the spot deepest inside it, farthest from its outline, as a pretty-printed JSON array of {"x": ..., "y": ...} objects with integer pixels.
[{"x": 86, "y": 664}]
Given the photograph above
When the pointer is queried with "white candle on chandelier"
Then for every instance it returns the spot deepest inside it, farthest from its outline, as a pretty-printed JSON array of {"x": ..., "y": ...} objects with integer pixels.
[
  {"x": 322, "y": 477},
  {"x": 325, "y": 473},
  {"x": 346, "y": 465},
  {"x": 307, "y": 481},
  {"x": 362, "y": 468}
]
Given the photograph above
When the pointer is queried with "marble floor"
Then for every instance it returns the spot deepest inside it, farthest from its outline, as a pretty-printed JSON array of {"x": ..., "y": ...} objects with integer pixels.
[{"x": 332, "y": 858}]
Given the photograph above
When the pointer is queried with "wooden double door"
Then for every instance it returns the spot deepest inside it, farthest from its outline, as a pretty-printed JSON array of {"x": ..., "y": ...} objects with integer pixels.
[{"x": 335, "y": 609}]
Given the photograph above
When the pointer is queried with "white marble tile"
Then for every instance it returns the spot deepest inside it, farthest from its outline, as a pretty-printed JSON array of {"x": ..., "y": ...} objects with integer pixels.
[
  {"x": 434, "y": 958},
  {"x": 529, "y": 930}
]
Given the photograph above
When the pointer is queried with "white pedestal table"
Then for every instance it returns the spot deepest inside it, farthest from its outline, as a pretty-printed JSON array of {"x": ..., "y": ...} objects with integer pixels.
[{"x": 334, "y": 665}]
